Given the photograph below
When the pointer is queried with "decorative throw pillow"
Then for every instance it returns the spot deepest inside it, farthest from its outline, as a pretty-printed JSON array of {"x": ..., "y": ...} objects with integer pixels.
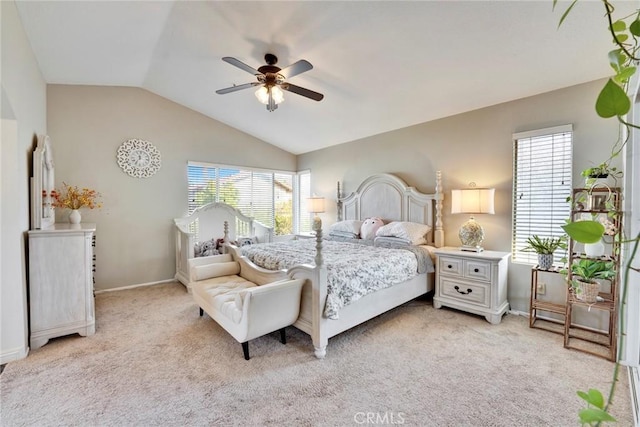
[
  {"x": 351, "y": 226},
  {"x": 414, "y": 232},
  {"x": 369, "y": 228},
  {"x": 206, "y": 248}
]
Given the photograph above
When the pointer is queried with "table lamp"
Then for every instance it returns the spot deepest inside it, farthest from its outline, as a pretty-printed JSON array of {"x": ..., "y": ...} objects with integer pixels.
[
  {"x": 315, "y": 205},
  {"x": 472, "y": 201}
]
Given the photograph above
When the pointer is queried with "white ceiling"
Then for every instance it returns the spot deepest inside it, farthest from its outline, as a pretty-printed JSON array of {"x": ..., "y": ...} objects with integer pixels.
[{"x": 381, "y": 65}]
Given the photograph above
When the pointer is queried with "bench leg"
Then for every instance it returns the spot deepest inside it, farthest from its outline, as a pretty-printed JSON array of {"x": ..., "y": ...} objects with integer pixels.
[
  {"x": 245, "y": 350},
  {"x": 283, "y": 336},
  {"x": 201, "y": 312}
]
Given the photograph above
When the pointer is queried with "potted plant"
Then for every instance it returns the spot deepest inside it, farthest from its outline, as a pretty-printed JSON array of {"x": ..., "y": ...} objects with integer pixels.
[
  {"x": 600, "y": 174},
  {"x": 545, "y": 248},
  {"x": 586, "y": 274}
]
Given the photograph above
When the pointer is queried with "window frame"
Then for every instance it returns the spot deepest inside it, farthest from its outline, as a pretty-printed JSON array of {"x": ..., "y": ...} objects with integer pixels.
[
  {"x": 561, "y": 168},
  {"x": 191, "y": 204}
]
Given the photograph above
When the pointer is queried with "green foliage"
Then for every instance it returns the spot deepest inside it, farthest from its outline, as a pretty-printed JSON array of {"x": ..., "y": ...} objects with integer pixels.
[
  {"x": 590, "y": 270},
  {"x": 595, "y": 413},
  {"x": 544, "y": 245},
  {"x": 584, "y": 231},
  {"x": 610, "y": 103},
  {"x": 284, "y": 217}
]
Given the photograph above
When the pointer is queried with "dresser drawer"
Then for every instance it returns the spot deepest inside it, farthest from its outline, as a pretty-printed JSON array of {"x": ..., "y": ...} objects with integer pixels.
[
  {"x": 472, "y": 293},
  {"x": 470, "y": 269},
  {"x": 479, "y": 270},
  {"x": 451, "y": 266}
]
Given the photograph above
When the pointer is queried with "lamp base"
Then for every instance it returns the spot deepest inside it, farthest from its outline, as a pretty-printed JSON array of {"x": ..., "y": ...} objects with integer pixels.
[
  {"x": 471, "y": 236},
  {"x": 472, "y": 248}
]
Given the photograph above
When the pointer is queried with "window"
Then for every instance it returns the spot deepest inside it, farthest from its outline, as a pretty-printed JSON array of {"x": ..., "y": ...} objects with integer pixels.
[
  {"x": 304, "y": 217},
  {"x": 267, "y": 196},
  {"x": 541, "y": 185}
]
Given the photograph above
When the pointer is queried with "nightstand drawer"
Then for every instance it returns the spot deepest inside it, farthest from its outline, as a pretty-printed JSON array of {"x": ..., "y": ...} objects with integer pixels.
[
  {"x": 471, "y": 293},
  {"x": 478, "y": 270},
  {"x": 452, "y": 266}
]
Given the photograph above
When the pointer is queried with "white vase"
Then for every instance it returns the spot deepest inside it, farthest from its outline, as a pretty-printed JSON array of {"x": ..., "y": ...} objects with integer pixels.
[
  {"x": 75, "y": 217},
  {"x": 594, "y": 249}
]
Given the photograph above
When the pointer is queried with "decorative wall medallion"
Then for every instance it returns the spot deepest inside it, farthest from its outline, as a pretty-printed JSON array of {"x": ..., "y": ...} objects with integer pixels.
[{"x": 138, "y": 158}]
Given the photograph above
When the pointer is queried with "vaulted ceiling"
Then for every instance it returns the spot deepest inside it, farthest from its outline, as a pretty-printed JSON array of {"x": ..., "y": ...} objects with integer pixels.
[{"x": 381, "y": 65}]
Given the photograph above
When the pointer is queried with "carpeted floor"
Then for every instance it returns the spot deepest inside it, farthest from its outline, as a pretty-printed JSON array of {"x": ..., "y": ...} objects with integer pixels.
[{"x": 154, "y": 361}]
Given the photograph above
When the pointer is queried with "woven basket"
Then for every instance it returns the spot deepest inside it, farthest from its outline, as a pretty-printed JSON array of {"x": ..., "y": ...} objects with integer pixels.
[{"x": 587, "y": 292}]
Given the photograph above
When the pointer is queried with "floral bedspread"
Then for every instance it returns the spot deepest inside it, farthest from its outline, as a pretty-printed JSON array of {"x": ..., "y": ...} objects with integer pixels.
[{"x": 353, "y": 270}]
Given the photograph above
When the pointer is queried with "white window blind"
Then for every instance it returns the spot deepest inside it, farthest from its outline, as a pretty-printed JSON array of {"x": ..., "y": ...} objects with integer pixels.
[
  {"x": 266, "y": 196},
  {"x": 541, "y": 184},
  {"x": 304, "y": 216}
]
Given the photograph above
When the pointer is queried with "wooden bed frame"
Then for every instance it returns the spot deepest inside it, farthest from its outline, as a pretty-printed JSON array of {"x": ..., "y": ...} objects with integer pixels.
[{"x": 382, "y": 195}]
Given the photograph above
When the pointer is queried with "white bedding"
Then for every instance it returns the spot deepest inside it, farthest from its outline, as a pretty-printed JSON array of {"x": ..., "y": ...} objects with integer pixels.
[{"x": 353, "y": 270}]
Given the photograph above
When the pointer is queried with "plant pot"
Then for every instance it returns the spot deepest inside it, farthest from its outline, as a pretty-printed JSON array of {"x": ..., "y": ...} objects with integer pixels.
[
  {"x": 545, "y": 261},
  {"x": 587, "y": 291},
  {"x": 594, "y": 250}
]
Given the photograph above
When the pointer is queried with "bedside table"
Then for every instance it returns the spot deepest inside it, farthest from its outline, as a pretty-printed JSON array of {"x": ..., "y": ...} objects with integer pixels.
[{"x": 475, "y": 282}]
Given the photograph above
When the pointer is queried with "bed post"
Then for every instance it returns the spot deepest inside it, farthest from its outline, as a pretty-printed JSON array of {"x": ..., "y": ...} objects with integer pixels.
[
  {"x": 319, "y": 296},
  {"x": 317, "y": 227},
  {"x": 438, "y": 236},
  {"x": 339, "y": 203}
]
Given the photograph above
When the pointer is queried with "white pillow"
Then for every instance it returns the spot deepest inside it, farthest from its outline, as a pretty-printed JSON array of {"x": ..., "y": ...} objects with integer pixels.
[
  {"x": 348, "y": 226},
  {"x": 207, "y": 271},
  {"x": 412, "y": 231}
]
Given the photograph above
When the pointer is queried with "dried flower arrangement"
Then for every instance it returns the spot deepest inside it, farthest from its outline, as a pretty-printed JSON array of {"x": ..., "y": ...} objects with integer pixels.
[{"x": 72, "y": 197}]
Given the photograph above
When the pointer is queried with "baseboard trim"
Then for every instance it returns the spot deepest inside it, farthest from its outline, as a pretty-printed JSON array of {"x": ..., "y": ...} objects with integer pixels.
[
  {"x": 13, "y": 355},
  {"x": 139, "y": 285},
  {"x": 634, "y": 389}
]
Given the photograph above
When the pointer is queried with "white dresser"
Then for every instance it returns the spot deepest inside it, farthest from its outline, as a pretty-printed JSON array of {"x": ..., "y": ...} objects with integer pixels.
[
  {"x": 61, "y": 264},
  {"x": 475, "y": 282}
]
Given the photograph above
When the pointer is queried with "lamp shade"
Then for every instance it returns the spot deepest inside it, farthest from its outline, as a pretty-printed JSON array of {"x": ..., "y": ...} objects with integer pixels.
[
  {"x": 472, "y": 201},
  {"x": 315, "y": 204}
]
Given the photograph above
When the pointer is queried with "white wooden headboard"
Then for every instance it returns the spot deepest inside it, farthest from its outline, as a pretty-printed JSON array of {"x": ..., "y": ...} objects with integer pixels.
[{"x": 390, "y": 198}]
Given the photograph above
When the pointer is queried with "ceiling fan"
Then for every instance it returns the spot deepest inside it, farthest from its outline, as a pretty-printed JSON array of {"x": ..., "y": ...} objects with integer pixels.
[{"x": 272, "y": 80}]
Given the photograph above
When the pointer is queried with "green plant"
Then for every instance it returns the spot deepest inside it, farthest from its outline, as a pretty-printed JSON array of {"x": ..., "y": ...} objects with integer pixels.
[
  {"x": 603, "y": 170},
  {"x": 613, "y": 101},
  {"x": 590, "y": 270},
  {"x": 544, "y": 245}
]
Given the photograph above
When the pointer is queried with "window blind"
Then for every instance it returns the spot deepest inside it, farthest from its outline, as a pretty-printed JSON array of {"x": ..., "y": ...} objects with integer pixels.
[
  {"x": 304, "y": 222},
  {"x": 542, "y": 182},
  {"x": 267, "y": 196}
]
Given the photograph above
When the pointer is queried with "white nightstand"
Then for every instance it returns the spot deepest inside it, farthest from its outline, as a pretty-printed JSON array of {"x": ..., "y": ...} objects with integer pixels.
[{"x": 475, "y": 282}]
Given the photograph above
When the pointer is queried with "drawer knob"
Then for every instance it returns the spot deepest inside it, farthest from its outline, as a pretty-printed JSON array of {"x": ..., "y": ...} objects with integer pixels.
[
  {"x": 457, "y": 288},
  {"x": 449, "y": 266},
  {"x": 475, "y": 270}
]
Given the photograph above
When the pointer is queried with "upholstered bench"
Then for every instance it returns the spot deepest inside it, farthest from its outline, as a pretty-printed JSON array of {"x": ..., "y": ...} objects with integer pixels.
[{"x": 243, "y": 308}]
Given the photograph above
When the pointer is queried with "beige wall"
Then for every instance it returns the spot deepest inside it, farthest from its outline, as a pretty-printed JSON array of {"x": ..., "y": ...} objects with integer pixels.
[
  {"x": 87, "y": 124},
  {"x": 23, "y": 116},
  {"x": 474, "y": 146}
]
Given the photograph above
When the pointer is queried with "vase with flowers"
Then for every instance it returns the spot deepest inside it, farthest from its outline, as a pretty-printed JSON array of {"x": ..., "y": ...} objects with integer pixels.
[{"x": 75, "y": 198}]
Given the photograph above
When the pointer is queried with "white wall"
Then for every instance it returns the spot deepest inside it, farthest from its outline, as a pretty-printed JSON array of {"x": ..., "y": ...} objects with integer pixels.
[
  {"x": 23, "y": 117},
  {"x": 475, "y": 146},
  {"x": 134, "y": 235}
]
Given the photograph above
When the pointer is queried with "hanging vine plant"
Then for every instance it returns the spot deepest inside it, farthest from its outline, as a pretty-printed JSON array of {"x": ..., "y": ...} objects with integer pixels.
[{"x": 612, "y": 102}]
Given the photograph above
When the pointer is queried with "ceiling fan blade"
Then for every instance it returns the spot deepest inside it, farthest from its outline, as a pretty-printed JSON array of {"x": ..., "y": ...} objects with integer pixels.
[
  {"x": 241, "y": 65},
  {"x": 296, "y": 68},
  {"x": 302, "y": 91},
  {"x": 236, "y": 88}
]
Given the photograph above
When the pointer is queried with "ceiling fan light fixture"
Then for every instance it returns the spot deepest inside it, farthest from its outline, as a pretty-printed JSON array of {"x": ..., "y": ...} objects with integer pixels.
[{"x": 263, "y": 94}]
